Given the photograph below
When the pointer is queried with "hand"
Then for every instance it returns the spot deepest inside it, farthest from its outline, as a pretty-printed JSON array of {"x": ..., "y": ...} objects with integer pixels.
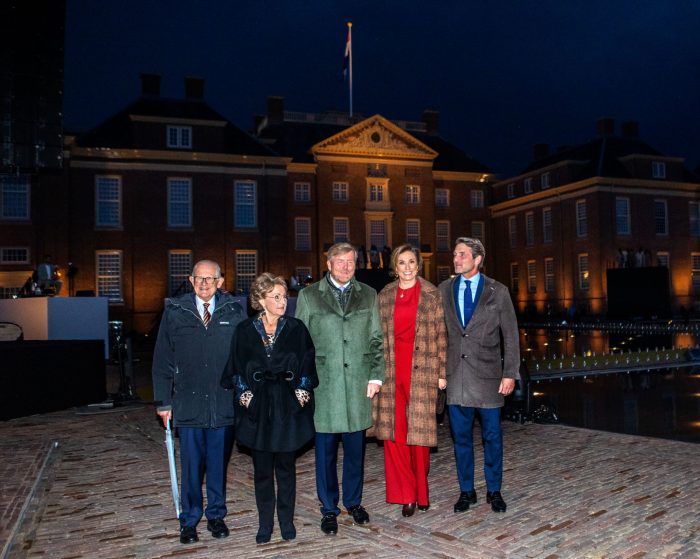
[
  {"x": 165, "y": 416},
  {"x": 245, "y": 399},
  {"x": 372, "y": 389},
  {"x": 442, "y": 383},
  {"x": 507, "y": 386}
]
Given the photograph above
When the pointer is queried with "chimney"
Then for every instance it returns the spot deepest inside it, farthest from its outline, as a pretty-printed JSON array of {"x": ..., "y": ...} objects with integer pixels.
[
  {"x": 150, "y": 85},
  {"x": 630, "y": 129},
  {"x": 194, "y": 88},
  {"x": 257, "y": 123},
  {"x": 275, "y": 110},
  {"x": 540, "y": 151},
  {"x": 431, "y": 119},
  {"x": 605, "y": 126}
]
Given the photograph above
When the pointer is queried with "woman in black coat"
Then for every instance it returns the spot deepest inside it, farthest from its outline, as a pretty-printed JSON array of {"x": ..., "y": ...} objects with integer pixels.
[{"x": 273, "y": 372}]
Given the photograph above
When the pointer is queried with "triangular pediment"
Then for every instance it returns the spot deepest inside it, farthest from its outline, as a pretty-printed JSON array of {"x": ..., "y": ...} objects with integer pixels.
[{"x": 375, "y": 137}]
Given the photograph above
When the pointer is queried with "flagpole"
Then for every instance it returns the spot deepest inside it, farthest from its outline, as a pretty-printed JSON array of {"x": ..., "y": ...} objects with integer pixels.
[{"x": 350, "y": 63}]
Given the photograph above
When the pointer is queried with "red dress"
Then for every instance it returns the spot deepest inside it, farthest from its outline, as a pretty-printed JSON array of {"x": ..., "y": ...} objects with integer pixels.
[{"x": 406, "y": 466}]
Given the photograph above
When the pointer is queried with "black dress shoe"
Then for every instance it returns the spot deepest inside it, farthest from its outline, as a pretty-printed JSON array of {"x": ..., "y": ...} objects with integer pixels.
[
  {"x": 264, "y": 534},
  {"x": 217, "y": 527},
  {"x": 497, "y": 502},
  {"x": 329, "y": 523},
  {"x": 466, "y": 498},
  {"x": 424, "y": 507},
  {"x": 359, "y": 514},
  {"x": 408, "y": 509},
  {"x": 289, "y": 532},
  {"x": 188, "y": 534}
]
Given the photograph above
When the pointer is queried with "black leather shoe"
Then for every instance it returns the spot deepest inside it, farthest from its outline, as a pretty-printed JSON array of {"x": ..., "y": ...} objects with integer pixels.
[
  {"x": 497, "y": 502},
  {"x": 217, "y": 527},
  {"x": 408, "y": 509},
  {"x": 329, "y": 523},
  {"x": 466, "y": 498},
  {"x": 359, "y": 514},
  {"x": 188, "y": 534},
  {"x": 264, "y": 534},
  {"x": 424, "y": 507},
  {"x": 289, "y": 532}
]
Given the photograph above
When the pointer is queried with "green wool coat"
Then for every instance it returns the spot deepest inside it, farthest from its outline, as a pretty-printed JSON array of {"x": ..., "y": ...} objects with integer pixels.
[{"x": 349, "y": 353}]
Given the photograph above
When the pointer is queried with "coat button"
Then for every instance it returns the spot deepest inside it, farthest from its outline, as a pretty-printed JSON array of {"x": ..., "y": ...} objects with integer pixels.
[
  {"x": 464, "y": 356},
  {"x": 465, "y": 335},
  {"x": 345, "y": 365}
]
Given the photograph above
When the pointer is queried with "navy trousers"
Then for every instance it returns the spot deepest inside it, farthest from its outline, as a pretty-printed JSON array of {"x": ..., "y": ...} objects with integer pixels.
[
  {"x": 327, "y": 469},
  {"x": 203, "y": 450},
  {"x": 462, "y": 423}
]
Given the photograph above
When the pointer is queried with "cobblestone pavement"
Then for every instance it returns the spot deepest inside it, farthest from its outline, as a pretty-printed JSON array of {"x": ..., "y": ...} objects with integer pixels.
[{"x": 104, "y": 492}]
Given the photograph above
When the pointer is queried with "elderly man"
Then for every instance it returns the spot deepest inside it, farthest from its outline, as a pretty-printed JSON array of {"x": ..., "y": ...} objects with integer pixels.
[
  {"x": 483, "y": 360},
  {"x": 343, "y": 318},
  {"x": 191, "y": 353}
]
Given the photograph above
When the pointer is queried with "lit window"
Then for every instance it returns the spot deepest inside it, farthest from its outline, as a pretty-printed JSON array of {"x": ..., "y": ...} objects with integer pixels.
[
  {"x": 302, "y": 192},
  {"x": 442, "y": 198},
  {"x": 179, "y": 137},
  {"x": 413, "y": 232},
  {"x": 442, "y": 236},
  {"x": 14, "y": 196},
  {"x": 108, "y": 265},
  {"x": 583, "y": 279},
  {"x": 179, "y": 202},
  {"x": 108, "y": 202},
  {"x": 581, "y": 219},
  {"x": 622, "y": 216},
  {"x": 340, "y": 192},
  {"x": 179, "y": 270},
  {"x": 341, "y": 229},
  {"x": 245, "y": 209},
  {"x": 412, "y": 194},
  {"x": 302, "y": 234},
  {"x": 246, "y": 269}
]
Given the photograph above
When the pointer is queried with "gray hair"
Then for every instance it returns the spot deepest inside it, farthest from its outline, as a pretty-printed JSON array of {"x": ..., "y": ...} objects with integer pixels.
[
  {"x": 210, "y": 262},
  {"x": 475, "y": 245}
]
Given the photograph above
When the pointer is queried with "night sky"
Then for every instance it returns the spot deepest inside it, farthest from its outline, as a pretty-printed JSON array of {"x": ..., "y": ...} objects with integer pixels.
[{"x": 503, "y": 74}]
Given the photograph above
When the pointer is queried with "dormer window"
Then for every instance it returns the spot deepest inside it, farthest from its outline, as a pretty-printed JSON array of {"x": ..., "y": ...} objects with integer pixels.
[
  {"x": 544, "y": 181},
  {"x": 527, "y": 185},
  {"x": 179, "y": 137},
  {"x": 658, "y": 170}
]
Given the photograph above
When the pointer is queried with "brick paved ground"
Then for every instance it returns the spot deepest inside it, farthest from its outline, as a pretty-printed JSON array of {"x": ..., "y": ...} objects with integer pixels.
[{"x": 104, "y": 493}]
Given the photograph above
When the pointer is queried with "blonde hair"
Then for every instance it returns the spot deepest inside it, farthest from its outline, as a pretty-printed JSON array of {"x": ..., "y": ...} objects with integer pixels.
[{"x": 261, "y": 286}]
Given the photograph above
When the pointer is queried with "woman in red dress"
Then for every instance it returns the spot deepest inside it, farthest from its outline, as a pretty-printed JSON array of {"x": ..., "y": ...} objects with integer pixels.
[{"x": 415, "y": 343}]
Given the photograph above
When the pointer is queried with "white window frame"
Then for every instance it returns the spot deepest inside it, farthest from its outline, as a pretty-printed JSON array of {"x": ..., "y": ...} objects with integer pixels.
[
  {"x": 340, "y": 191},
  {"x": 14, "y": 255},
  {"x": 547, "y": 227},
  {"x": 514, "y": 277},
  {"x": 413, "y": 232},
  {"x": 179, "y": 137},
  {"x": 411, "y": 194},
  {"x": 180, "y": 265},
  {"x": 15, "y": 197},
  {"x": 661, "y": 217},
  {"x": 109, "y": 281},
  {"x": 584, "y": 280},
  {"x": 377, "y": 232},
  {"x": 302, "y": 192},
  {"x": 531, "y": 276},
  {"x": 245, "y": 204},
  {"x": 658, "y": 170},
  {"x": 245, "y": 273},
  {"x": 477, "y": 198},
  {"x": 623, "y": 225},
  {"x": 442, "y": 197},
  {"x": 377, "y": 191},
  {"x": 581, "y": 219},
  {"x": 442, "y": 236},
  {"x": 513, "y": 231},
  {"x": 527, "y": 185},
  {"x": 108, "y": 196},
  {"x": 302, "y": 234},
  {"x": 545, "y": 181},
  {"x": 341, "y": 230},
  {"x": 529, "y": 229},
  {"x": 178, "y": 200},
  {"x": 478, "y": 231},
  {"x": 549, "y": 275}
]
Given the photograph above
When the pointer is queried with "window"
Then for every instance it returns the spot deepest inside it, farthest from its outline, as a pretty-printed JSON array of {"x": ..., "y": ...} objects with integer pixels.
[
  {"x": 478, "y": 230},
  {"x": 477, "y": 198},
  {"x": 583, "y": 281},
  {"x": 341, "y": 229},
  {"x": 340, "y": 192},
  {"x": 246, "y": 269},
  {"x": 658, "y": 170},
  {"x": 413, "y": 232},
  {"x": 443, "y": 273},
  {"x": 547, "y": 231},
  {"x": 531, "y": 276},
  {"x": 513, "y": 231},
  {"x": 302, "y": 192},
  {"x": 622, "y": 216},
  {"x": 179, "y": 202},
  {"x": 14, "y": 197},
  {"x": 179, "y": 137},
  {"x": 377, "y": 232},
  {"x": 695, "y": 269},
  {"x": 663, "y": 259},
  {"x": 377, "y": 169},
  {"x": 302, "y": 234},
  {"x": 108, "y": 202},
  {"x": 179, "y": 270},
  {"x": 529, "y": 228},
  {"x": 549, "y": 275},
  {"x": 108, "y": 265},
  {"x": 442, "y": 198},
  {"x": 660, "y": 217},
  {"x": 442, "y": 236},
  {"x": 544, "y": 181},
  {"x": 694, "y": 214},
  {"x": 511, "y": 190},
  {"x": 376, "y": 192},
  {"x": 514, "y": 277},
  {"x": 581, "y": 219},
  {"x": 14, "y": 255},
  {"x": 411, "y": 194},
  {"x": 527, "y": 185},
  {"x": 245, "y": 210}
]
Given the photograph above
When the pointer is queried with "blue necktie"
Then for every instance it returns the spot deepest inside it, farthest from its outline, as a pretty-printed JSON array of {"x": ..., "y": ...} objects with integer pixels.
[{"x": 468, "y": 304}]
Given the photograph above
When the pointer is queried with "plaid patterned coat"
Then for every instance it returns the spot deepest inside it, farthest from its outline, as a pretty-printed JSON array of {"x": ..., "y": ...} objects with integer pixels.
[{"x": 429, "y": 362}]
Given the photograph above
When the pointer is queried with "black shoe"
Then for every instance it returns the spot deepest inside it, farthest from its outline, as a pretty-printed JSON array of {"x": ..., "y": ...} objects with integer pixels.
[
  {"x": 217, "y": 527},
  {"x": 289, "y": 532},
  {"x": 497, "y": 502},
  {"x": 466, "y": 498},
  {"x": 264, "y": 534},
  {"x": 424, "y": 507},
  {"x": 408, "y": 509},
  {"x": 359, "y": 514},
  {"x": 329, "y": 523},
  {"x": 188, "y": 534}
]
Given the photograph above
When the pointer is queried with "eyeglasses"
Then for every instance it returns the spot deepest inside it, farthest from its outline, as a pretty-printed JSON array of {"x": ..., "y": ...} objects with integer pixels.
[
  {"x": 277, "y": 298},
  {"x": 204, "y": 279}
]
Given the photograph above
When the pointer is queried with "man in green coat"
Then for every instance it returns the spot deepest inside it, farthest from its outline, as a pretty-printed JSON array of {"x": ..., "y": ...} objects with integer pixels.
[{"x": 343, "y": 318}]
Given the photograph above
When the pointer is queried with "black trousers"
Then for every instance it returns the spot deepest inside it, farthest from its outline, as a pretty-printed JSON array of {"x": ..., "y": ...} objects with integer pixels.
[{"x": 268, "y": 466}]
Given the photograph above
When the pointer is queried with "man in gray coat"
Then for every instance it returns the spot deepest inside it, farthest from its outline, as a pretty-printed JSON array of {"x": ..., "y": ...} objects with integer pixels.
[{"x": 483, "y": 360}]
